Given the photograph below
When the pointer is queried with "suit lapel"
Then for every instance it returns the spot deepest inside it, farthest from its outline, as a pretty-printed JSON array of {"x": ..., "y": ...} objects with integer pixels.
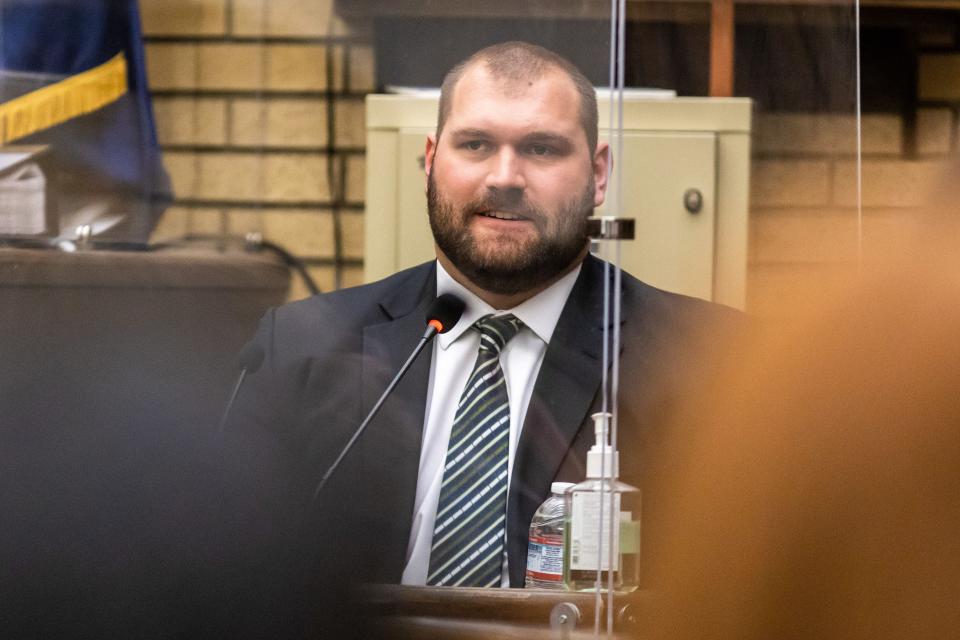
[
  {"x": 566, "y": 388},
  {"x": 390, "y": 449}
]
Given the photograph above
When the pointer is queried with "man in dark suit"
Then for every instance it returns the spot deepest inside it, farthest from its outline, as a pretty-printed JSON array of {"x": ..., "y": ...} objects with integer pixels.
[{"x": 513, "y": 173}]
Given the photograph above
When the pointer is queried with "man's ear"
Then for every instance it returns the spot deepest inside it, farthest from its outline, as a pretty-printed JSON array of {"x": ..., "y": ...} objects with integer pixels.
[
  {"x": 602, "y": 163},
  {"x": 428, "y": 153}
]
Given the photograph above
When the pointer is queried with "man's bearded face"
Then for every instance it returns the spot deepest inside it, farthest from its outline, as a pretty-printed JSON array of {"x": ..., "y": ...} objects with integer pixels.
[{"x": 499, "y": 258}]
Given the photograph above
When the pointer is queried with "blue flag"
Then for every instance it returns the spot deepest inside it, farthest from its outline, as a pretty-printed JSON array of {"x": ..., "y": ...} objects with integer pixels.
[{"x": 107, "y": 162}]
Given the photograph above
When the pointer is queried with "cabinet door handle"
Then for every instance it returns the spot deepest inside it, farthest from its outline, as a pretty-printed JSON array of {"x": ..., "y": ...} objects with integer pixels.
[{"x": 693, "y": 200}]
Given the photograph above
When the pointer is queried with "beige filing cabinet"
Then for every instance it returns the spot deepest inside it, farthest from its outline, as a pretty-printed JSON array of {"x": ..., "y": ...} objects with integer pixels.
[{"x": 671, "y": 147}]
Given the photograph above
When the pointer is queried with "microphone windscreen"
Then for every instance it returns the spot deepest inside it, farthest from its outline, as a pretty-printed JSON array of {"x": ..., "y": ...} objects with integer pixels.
[
  {"x": 446, "y": 310},
  {"x": 251, "y": 357}
]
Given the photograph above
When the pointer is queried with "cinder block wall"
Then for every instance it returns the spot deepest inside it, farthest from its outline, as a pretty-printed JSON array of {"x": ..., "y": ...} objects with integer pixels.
[
  {"x": 260, "y": 114},
  {"x": 259, "y": 107},
  {"x": 804, "y": 227},
  {"x": 803, "y": 224}
]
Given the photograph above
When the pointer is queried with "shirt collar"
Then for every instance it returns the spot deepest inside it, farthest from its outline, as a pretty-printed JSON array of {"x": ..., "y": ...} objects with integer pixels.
[{"x": 539, "y": 313}]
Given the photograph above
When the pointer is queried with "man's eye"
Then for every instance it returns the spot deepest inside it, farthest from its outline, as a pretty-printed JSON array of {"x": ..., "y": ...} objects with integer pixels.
[
  {"x": 474, "y": 145},
  {"x": 540, "y": 150}
]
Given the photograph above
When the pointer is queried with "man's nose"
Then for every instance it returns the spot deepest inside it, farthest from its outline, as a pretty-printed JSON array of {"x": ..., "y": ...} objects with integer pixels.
[{"x": 506, "y": 171}]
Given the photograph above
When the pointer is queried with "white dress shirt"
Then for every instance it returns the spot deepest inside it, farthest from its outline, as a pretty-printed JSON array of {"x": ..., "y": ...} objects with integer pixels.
[{"x": 454, "y": 354}]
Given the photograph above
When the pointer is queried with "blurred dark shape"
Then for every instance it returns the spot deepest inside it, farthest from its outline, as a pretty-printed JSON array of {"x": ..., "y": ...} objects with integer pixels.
[
  {"x": 816, "y": 486},
  {"x": 115, "y": 367},
  {"x": 106, "y": 162}
]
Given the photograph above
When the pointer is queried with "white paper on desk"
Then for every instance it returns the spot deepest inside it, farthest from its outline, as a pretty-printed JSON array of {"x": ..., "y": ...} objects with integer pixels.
[{"x": 22, "y": 200}]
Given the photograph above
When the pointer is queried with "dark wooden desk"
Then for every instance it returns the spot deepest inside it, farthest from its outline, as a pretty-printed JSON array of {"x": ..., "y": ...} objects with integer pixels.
[{"x": 127, "y": 332}]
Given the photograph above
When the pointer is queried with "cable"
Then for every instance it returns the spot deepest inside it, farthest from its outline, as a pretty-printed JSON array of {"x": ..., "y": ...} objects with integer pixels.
[{"x": 252, "y": 242}]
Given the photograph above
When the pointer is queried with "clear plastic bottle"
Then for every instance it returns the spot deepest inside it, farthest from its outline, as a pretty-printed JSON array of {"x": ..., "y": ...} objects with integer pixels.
[
  {"x": 594, "y": 507},
  {"x": 545, "y": 547}
]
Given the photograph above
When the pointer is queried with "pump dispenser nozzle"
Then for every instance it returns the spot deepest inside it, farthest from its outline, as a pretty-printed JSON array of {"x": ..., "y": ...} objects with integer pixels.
[{"x": 601, "y": 449}]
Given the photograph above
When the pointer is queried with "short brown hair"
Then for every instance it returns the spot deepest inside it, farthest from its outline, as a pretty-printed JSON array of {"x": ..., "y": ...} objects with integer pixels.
[{"x": 517, "y": 60}]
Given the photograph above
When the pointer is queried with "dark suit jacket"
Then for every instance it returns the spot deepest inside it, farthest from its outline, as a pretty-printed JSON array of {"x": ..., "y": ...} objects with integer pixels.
[{"x": 328, "y": 358}]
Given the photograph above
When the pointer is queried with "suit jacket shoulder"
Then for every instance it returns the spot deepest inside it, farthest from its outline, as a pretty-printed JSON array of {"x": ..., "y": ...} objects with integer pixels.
[
  {"x": 302, "y": 328},
  {"x": 314, "y": 364}
]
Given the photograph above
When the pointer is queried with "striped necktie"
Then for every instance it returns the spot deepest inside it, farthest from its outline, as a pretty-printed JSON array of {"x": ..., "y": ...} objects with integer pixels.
[{"x": 468, "y": 533}]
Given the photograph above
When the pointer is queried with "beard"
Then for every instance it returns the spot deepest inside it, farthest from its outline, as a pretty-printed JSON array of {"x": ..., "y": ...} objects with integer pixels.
[{"x": 510, "y": 265}]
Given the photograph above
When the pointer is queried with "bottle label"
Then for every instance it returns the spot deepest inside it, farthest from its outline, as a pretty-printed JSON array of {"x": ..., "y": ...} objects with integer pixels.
[
  {"x": 590, "y": 531},
  {"x": 545, "y": 558}
]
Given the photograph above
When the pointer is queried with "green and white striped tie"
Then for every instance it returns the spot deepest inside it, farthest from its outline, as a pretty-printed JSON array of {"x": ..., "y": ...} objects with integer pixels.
[{"x": 468, "y": 533}]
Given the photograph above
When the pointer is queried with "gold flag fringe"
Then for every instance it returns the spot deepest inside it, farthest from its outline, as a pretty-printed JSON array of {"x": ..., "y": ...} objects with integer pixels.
[{"x": 69, "y": 98}]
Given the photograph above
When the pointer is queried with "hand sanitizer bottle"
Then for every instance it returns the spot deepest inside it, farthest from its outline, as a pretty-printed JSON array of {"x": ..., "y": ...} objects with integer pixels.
[{"x": 601, "y": 535}]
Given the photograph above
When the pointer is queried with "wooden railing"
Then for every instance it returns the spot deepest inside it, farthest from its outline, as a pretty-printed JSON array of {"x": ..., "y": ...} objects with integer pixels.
[{"x": 527, "y": 614}]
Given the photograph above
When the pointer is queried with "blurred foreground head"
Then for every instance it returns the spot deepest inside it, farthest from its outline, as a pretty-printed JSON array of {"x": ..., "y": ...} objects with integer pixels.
[{"x": 817, "y": 484}]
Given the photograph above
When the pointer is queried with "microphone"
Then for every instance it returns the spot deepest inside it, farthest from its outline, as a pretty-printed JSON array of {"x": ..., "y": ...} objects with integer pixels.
[
  {"x": 251, "y": 357},
  {"x": 442, "y": 315}
]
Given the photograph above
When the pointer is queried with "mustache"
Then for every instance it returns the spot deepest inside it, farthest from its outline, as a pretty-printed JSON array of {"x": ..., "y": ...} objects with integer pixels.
[{"x": 507, "y": 203}]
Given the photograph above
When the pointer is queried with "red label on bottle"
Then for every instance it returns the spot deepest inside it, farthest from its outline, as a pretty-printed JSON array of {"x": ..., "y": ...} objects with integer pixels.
[{"x": 545, "y": 558}]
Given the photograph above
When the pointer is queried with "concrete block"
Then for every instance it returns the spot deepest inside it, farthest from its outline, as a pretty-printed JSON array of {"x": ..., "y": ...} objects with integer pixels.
[
  {"x": 881, "y": 133},
  {"x": 184, "y": 172},
  {"x": 286, "y": 18},
  {"x": 338, "y": 72},
  {"x": 793, "y": 133},
  {"x": 207, "y": 222},
  {"x": 356, "y": 178},
  {"x": 231, "y": 176},
  {"x": 305, "y": 233},
  {"x": 243, "y": 221},
  {"x": 230, "y": 66},
  {"x": 888, "y": 183},
  {"x": 362, "y": 69},
  {"x": 248, "y": 17},
  {"x": 799, "y": 183},
  {"x": 183, "y": 17},
  {"x": 279, "y": 122},
  {"x": 297, "y": 67},
  {"x": 352, "y": 276},
  {"x": 171, "y": 66},
  {"x": 810, "y": 133},
  {"x": 935, "y": 131},
  {"x": 349, "y": 123},
  {"x": 249, "y": 177},
  {"x": 322, "y": 275},
  {"x": 308, "y": 18},
  {"x": 191, "y": 120},
  {"x": 352, "y": 224},
  {"x": 297, "y": 177}
]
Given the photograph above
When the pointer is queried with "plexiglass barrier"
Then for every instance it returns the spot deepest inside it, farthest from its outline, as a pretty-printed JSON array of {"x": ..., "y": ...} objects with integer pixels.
[{"x": 622, "y": 177}]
